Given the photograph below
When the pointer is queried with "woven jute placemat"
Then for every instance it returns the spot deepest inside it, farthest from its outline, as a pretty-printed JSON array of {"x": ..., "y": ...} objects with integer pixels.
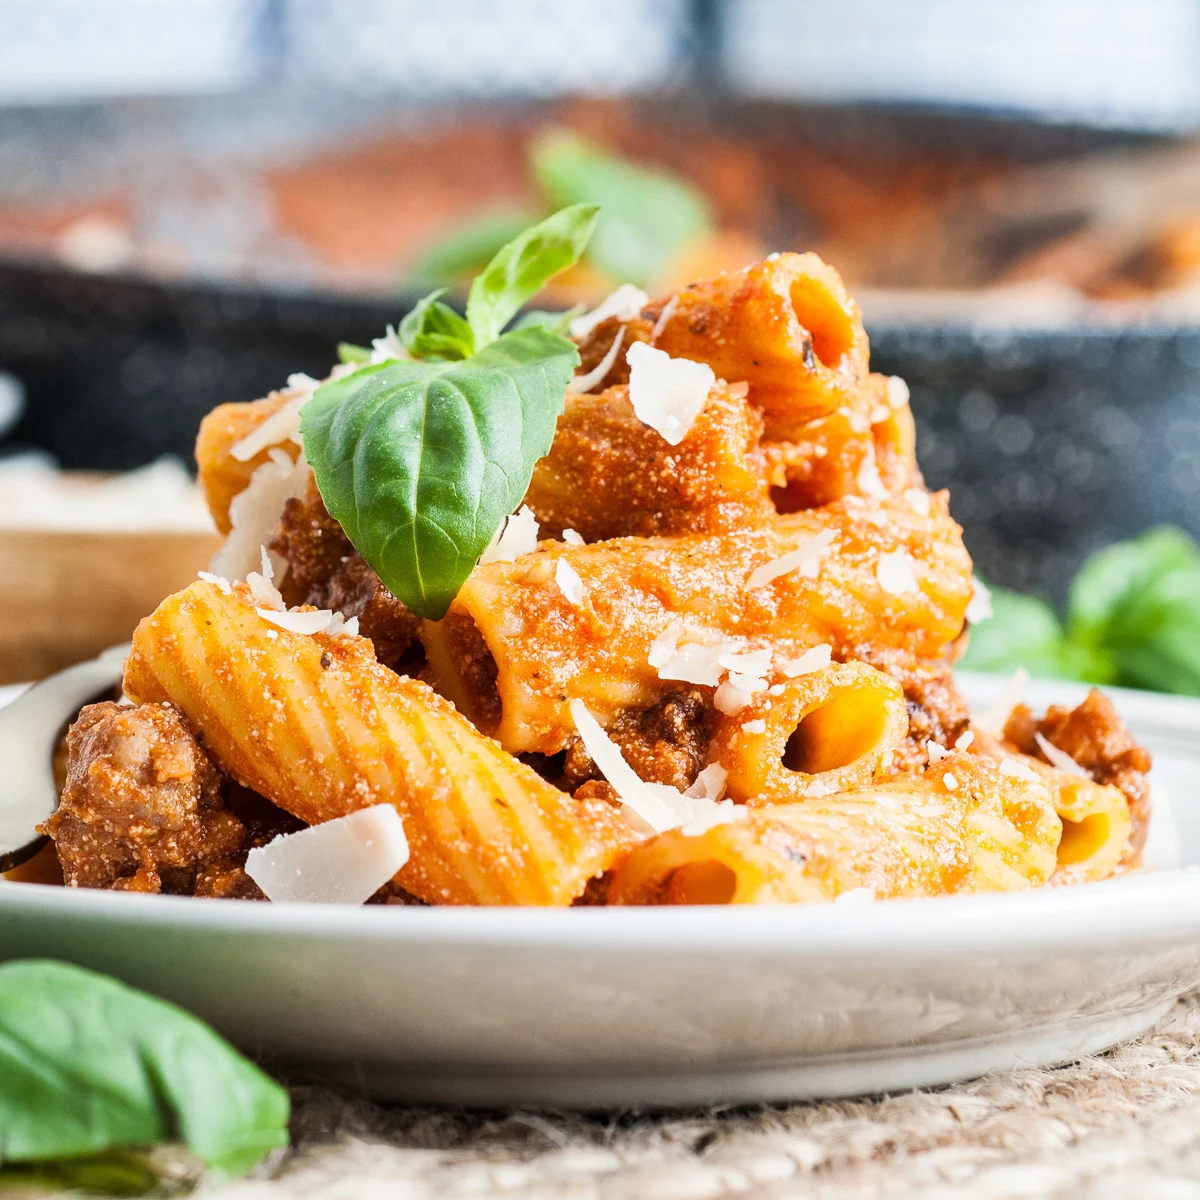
[{"x": 1124, "y": 1124}]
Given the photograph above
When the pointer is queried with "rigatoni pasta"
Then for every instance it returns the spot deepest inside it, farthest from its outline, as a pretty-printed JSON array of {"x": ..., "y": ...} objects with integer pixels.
[{"x": 707, "y": 661}]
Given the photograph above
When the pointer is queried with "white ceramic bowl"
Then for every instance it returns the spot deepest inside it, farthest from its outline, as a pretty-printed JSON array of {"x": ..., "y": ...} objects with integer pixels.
[{"x": 602, "y": 1008}]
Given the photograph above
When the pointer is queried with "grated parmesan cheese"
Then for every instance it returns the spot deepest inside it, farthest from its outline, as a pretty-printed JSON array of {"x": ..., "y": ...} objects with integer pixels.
[
  {"x": 514, "y": 539},
  {"x": 936, "y": 751},
  {"x": 572, "y": 538},
  {"x": 709, "y": 784},
  {"x": 569, "y": 582},
  {"x": 950, "y": 781},
  {"x": 1014, "y": 768},
  {"x": 816, "y": 659},
  {"x": 625, "y": 304},
  {"x": 759, "y": 726},
  {"x": 897, "y": 391},
  {"x": 747, "y": 683},
  {"x": 870, "y": 482},
  {"x": 388, "y": 347},
  {"x": 254, "y": 513},
  {"x": 895, "y": 574},
  {"x": 282, "y": 425},
  {"x": 995, "y": 716},
  {"x": 1059, "y": 758},
  {"x": 979, "y": 608},
  {"x": 217, "y": 581},
  {"x": 858, "y": 895},
  {"x": 750, "y": 662},
  {"x": 584, "y": 383},
  {"x": 316, "y": 621},
  {"x": 730, "y": 699},
  {"x": 805, "y": 559},
  {"x": 964, "y": 740},
  {"x": 918, "y": 500},
  {"x": 668, "y": 311},
  {"x": 344, "y": 861},
  {"x": 668, "y": 394}
]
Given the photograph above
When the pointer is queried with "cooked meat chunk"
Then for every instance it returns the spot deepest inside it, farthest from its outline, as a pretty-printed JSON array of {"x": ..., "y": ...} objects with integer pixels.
[
  {"x": 666, "y": 743},
  {"x": 142, "y": 807},
  {"x": 1100, "y": 742},
  {"x": 313, "y": 544},
  {"x": 355, "y": 590},
  {"x": 324, "y": 570}
]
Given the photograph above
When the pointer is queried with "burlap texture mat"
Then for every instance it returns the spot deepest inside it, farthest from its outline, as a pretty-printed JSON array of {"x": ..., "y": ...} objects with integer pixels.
[{"x": 1123, "y": 1124}]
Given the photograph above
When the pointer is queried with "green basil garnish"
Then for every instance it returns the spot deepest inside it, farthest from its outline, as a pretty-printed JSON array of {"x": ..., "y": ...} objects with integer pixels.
[
  {"x": 348, "y": 352},
  {"x": 88, "y": 1065},
  {"x": 421, "y": 460}
]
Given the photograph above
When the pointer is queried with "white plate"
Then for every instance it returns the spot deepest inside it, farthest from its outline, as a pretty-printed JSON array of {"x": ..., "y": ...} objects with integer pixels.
[{"x": 600, "y": 1008}]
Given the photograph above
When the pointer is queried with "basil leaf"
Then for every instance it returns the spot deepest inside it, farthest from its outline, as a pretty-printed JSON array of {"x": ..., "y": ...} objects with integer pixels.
[
  {"x": 555, "y": 322},
  {"x": 1115, "y": 581},
  {"x": 88, "y": 1065},
  {"x": 434, "y": 331},
  {"x": 348, "y": 352},
  {"x": 421, "y": 462},
  {"x": 522, "y": 267},
  {"x": 647, "y": 216},
  {"x": 114, "y": 1173},
  {"x": 467, "y": 250}
]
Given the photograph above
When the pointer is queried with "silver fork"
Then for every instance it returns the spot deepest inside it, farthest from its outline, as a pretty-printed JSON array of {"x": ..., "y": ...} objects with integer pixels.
[{"x": 29, "y": 727}]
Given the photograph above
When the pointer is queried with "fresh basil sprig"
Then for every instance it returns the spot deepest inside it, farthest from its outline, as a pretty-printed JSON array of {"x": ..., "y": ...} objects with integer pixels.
[
  {"x": 88, "y": 1065},
  {"x": 421, "y": 460},
  {"x": 1132, "y": 618}
]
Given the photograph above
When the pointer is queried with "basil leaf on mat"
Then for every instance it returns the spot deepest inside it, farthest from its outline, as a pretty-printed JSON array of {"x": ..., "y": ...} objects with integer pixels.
[
  {"x": 421, "y": 462},
  {"x": 521, "y": 268},
  {"x": 89, "y": 1065}
]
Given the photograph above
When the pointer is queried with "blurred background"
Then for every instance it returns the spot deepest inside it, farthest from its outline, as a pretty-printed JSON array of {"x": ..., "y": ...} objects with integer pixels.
[{"x": 199, "y": 198}]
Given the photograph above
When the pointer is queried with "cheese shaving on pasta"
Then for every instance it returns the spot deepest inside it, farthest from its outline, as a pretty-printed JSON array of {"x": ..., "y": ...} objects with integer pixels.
[
  {"x": 625, "y": 304},
  {"x": 584, "y": 383},
  {"x": 979, "y": 607},
  {"x": 572, "y": 538},
  {"x": 964, "y": 740},
  {"x": 1014, "y": 768},
  {"x": 343, "y": 861},
  {"x": 282, "y": 425},
  {"x": 995, "y": 716},
  {"x": 388, "y": 347},
  {"x": 668, "y": 394},
  {"x": 918, "y": 500},
  {"x": 815, "y": 659},
  {"x": 217, "y": 581},
  {"x": 895, "y": 574},
  {"x": 517, "y": 537},
  {"x": 897, "y": 391},
  {"x": 1059, "y": 758},
  {"x": 805, "y": 559},
  {"x": 569, "y": 582}
]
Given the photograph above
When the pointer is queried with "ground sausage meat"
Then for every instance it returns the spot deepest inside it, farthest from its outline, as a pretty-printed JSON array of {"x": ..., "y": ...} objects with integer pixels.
[
  {"x": 142, "y": 807},
  {"x": 1099, "y": 741},
  {"x": 313, "y": 544},
  {"x": 667, "y": 743},
  {"x": 355, "y": 590}
]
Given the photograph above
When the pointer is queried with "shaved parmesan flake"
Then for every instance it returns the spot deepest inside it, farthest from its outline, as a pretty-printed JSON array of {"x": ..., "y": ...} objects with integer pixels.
[
  {"x": 344, "y": 861},
  {"x": 694, "y": 663},
  {"x": 584, "y": 383},
  {"x": 316, "y": 621},
  {"x": 667, "y": 393},
  {"x": 282, "y": 425},
  {"x": 759, "y": 726},
  {"x": 980, "y": 606},
  {"x": 858, "y": 895},
  {"x": 703, "y": 815},
  {"x": 747, "y": 683},
  {"x": 265, "y": 593},
  {"x": 388, "y": 347},
  {"x": 709, "y": 784},
  {"x": 870, "y": 482},
  {"x": 897, "y": 391},
  {"x": 730, "y": 699},
  {"x": 995, "y": 716},
  {"x": 668, "y": 311},
  {"x": 936, "y": 751},
  {"x": 625, "y": 304},
  {"x": 514, "y": 539},
  {"x": 223, "y": 584},
  {"x": 569, "y": 582},
  {"x": 918, "y": 500},
  {"x": 895, "y": 574},
  {"x": 632, "y": 790},
  {"x": 572, "y": 538},
  {"x": 804, "y": 559},
  {"x": 816, "y": 659},
  {"x": 339, "y": 626},
  {"x": 776, "y": 689},
  {"x": 664, "y": 646},
  {"x": 751, "y": 662},
  {"x": 254, "y": 513},
  {"x": 821, "y": 787},
  {"x": 1014, "y": 768},
  {"x": 950, "y": 781},
  {"x": 964, "y": 740},
  {"x": 1059, "y": 758}
]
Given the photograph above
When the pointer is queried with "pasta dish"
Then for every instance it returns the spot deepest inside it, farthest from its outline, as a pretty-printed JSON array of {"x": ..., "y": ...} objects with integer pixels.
[{"x": 647, "y": 605}]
